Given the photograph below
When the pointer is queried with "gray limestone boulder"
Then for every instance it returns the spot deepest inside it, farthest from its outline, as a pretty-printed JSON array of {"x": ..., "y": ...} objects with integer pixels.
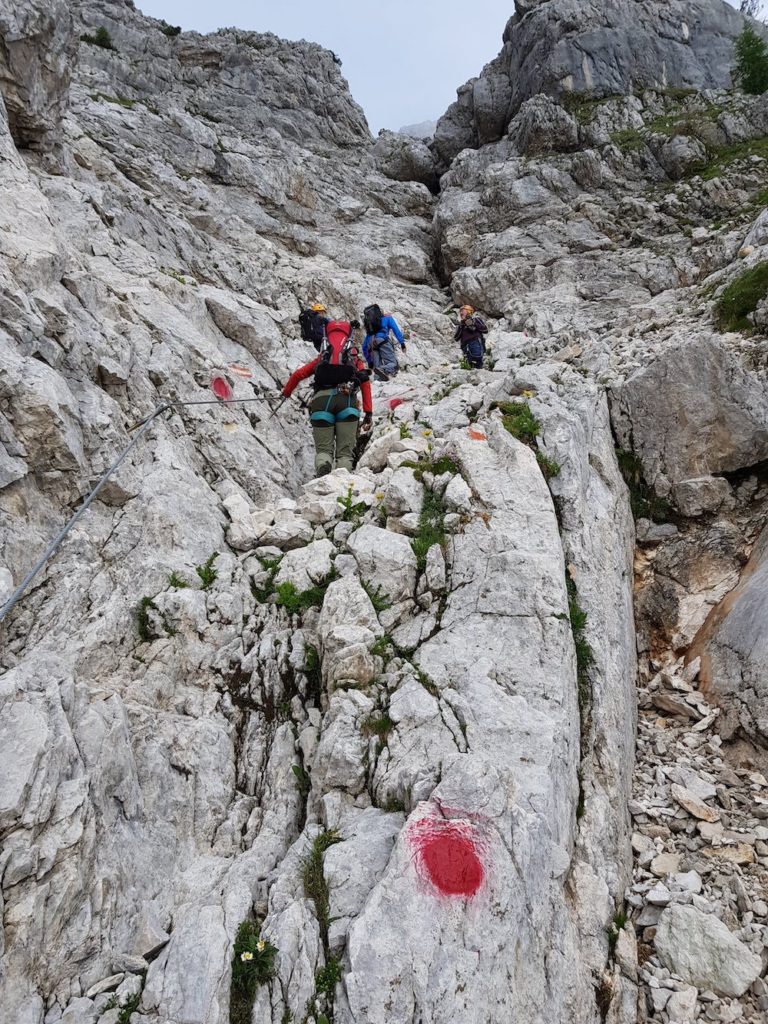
[
  {"x": 681, "y": 155},
  {"x": 405, "y": 159},
  {"x": 691, "y": 412},
  {"x": 702, "y": 951},
  {"x": 542, "y": 126}
]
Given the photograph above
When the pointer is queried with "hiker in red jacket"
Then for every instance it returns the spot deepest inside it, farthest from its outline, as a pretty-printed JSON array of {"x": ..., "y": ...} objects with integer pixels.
[{"x": 339, "y": 372}]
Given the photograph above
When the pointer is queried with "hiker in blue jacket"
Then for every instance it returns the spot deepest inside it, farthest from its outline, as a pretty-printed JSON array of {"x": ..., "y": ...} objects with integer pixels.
[{"x": 378, "y": 347}]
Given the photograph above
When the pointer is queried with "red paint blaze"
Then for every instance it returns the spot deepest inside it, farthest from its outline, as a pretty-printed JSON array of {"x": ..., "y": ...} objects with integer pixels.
[
  {"x": 447, "y": 856},
  {"x": 394, "y": 402},
  {"x": 241, "y": 371},
  {"x": 221, "y": 388}
]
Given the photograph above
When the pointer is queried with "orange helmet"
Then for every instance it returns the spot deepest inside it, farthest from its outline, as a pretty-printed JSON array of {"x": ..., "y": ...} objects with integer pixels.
[{"x": 318, "y": 307}]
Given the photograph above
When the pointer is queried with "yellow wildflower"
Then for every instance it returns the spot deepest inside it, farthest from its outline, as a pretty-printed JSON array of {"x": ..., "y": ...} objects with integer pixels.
[
  {"x": 427, "y": 433},
  {"x": 529, "y": 394},
  {"x": 245, "y": 957},
  {"x": 380, "y": 496},
  {"x": 261, "y": 945}
]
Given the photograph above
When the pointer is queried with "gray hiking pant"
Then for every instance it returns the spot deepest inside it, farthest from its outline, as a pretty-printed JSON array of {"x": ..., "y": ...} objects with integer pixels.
[{"x": 384, "y": 356}]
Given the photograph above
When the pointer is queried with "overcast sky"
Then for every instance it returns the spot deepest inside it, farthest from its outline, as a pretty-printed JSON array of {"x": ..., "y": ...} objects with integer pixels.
[{"x": 403, "y": 60}]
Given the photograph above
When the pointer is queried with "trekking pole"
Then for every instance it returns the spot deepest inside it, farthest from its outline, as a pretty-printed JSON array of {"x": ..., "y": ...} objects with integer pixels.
[{"x": 277, "y": 408}]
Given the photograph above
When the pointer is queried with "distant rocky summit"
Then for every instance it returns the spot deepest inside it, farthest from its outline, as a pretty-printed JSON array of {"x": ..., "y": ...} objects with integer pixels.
[
  {"x": 476, "y": 732},
  {"x": 424, "y": 130}
]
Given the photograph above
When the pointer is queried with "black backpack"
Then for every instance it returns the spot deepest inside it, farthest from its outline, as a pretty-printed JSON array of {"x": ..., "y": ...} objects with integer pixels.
[
  {"x": 312, "y": 327},
  {"x": 372, "y": 319}
]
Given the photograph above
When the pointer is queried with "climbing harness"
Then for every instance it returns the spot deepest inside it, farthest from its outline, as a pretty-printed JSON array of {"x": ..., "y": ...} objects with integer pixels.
[
  {"x": 142, "y": 426},
  {"x": 324, "y": 416}
]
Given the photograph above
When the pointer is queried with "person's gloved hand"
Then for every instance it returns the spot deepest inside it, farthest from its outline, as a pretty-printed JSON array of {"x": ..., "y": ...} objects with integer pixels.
[
  {"x": 367, "y": 422},
  {"x": 402, "y": 348},
  {"x": 354, "y": 324}
]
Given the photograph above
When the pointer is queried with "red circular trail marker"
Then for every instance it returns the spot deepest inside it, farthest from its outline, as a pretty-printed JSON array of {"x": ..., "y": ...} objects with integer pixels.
[
  {"x": 221, "y": 388},
  {"x": 394, "y": 402},
  {"x": 447, "y": 855}
]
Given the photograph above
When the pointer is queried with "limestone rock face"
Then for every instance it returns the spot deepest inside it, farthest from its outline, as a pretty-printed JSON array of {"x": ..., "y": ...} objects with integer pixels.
[
  {"x": 714, "y": 416},
  {"x": 387, "y": 716},
  {"x": 733, "y": 645},
  {"x": 35, "y": 68},
  {"x": 594, "y": 48}
]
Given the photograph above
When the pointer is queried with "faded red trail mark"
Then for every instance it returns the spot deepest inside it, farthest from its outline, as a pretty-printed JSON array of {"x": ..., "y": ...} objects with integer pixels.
[{"x": 447, "y": 855}]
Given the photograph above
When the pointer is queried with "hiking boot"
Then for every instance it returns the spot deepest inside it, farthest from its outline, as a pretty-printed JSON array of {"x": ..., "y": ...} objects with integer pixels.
[{"x": 380, "y": 374}]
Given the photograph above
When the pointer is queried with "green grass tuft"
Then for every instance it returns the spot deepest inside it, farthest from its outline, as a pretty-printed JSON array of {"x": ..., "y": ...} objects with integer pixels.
[
  {"x": 724, "y": 156},
  {"x": 548, "y": 466},
  {"x": 426, "y": 682},
  {"x": 741, "y": 298},
  {"x": 206, "y": 572},
  {"x": 174, "y": 580},
  {"x": 613, "y": 929},
  {"x": 248, "y": 974},
  {"x": 303, "y": 781},
  {"x": 518, "y": 419},
  {"x": 381, "y": 646},
  {"x": 378, "y": 598},
  {"x": 130, "y": 1008},
  {"x": 313, "y": 878},
  {"x": 351, "y": 511},
  {"x": 328, "y": 977},
  {"x": 295, "y": 601},
  {"x": 629, "y": 140},
  {"x": 378, "y": 725},
  {"x": 262, "y": 594},
  {"x": 437, "y": 467},
  {"x": 431, "y": 528},
  {"x": 100, "y": 38}
]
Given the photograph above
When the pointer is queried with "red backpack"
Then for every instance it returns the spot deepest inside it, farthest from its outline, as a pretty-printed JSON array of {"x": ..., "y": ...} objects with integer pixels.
[{"x": 337, "y": 348}]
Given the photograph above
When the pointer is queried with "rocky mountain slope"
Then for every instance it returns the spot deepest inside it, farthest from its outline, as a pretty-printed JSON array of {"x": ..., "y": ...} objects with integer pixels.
[{"x": 376, "y": 732}]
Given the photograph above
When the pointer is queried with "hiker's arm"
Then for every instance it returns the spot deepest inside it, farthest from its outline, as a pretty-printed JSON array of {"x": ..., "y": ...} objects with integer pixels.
[
  {"x": 481, "y": 325},
  {"x": 365, "y": 391},
  {"x": 298, "y": 376},
  {"x": 367, "y": 349},
  {"x": 396, "y": 329}
]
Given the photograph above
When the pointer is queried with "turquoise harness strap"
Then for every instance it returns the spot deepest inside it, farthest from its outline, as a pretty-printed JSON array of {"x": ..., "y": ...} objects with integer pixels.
[{"x": 324, "y": 416}]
